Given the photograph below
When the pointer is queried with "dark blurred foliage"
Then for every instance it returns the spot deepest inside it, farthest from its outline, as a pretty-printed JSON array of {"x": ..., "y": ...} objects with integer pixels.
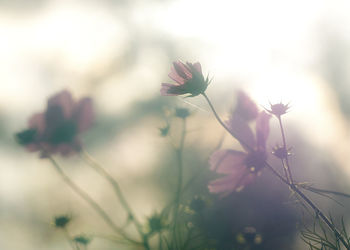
[{"x": 262, "y": 207}]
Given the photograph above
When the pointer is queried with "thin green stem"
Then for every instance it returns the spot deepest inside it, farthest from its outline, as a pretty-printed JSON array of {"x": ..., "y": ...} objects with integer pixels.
[
  {"x": 291, "y": 185},
  {"x": 89, "y": 200},
  {"x": 160, "y": 243},
  {"x": 66, "y": 234},
  {"x": 115, "y": 239},
  {"x": 100, "y": 170}
]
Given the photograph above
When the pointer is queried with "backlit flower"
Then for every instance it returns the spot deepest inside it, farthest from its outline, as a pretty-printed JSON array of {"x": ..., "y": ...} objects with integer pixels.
[
  {"x": 189, "y": 80},
  {"x": 278, "y": 109},
  {"x": 57, "y": 129},
  {"x": 241, "y": 168}
]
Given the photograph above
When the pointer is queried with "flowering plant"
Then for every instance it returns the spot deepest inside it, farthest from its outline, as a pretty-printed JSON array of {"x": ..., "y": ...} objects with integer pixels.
[{"x": 190, "y": 219}]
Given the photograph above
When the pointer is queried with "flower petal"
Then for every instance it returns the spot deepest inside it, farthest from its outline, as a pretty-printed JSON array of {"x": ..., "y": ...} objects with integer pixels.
[
  {"x": 173, "y": 75},
  {"x": 240, "y": 129},
  {"x": 224, "y": 184},
  {"x": 231, "y": 183},
  {"x": 37, "y": 121},
  {"x": 171, "y": 89},
  {"x": 182, "y": 70},
  {"x": 227, "y": 161},
  {"x": 64, "y": 100},
  {"x": 262, "y": 129},
  {"x": 197, "y": 66},
  {"x": 84, "y": 114},
  {"x": 245, "y": 108},
  {"x": 164, "y": 90}
]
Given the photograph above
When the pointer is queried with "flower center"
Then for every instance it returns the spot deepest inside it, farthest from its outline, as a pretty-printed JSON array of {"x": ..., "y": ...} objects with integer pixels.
[
  {"x": 59, "y": 129},
  {"x": 255, "y": 160}
]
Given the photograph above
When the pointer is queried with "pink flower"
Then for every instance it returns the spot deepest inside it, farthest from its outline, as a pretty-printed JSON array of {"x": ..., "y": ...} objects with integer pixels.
[
  {"x": 189, "y": 80},
  {"x": 57, "y": 129},
  {"x": 241, "y": 168}
]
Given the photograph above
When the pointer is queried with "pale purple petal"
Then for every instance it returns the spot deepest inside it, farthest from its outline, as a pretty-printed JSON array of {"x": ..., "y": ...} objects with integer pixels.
[
  {"x": 84, "y": 114},
  {"x": 247, "y": 179},
  {"x": 37, "y": 121},
  {"x": 197, "y": 66},
  {"x": 262, "y": 129},
  {"x": 231, "y": 183},
  {"x": 225, "y": 184},
  {"x": 182, "y": 70},
  {"x": 227, "y": 161},
  {"x": 164, "y": 90},
  {"x": 173, "y": 75},
  {"x": 64, "y": 100},
  {"x": 241, "y": 130},
  {"x": 33, "y": 147},
  {"x": 245, "y": 108}
]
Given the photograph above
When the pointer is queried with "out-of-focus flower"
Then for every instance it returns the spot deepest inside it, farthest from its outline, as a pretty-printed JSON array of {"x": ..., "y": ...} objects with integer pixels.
[
  {"x": 164, "y": 131},
  {"x": 156, "y": 223},
  {"x": 278, "y": 109},
  {"x": 241, "y": 168},
  {"x": 61, "y": 221},
  {"x": 189, "y": 80},
  {"x": 182, "y": 113},
  {"x": 57, "y": 129},
  {"x": 82, "y": 240}
]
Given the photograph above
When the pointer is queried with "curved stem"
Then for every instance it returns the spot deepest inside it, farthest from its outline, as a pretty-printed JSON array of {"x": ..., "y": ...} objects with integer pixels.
[
  {"x": 66, "y": 234},
  {"x": 99, "y": 169},
  {"x": 89, "y": 200},
  {"x": 291, "y": 185}
]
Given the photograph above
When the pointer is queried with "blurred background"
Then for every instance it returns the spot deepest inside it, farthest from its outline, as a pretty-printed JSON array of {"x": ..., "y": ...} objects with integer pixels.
[{"x": 119, "y": 52}]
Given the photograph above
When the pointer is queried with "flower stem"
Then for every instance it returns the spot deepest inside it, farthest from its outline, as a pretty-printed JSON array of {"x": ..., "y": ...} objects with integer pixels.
[
  {"x": 319, "y": 190},
  {"x": 89, "y": 200},
  {"x": 66, "y": 234},
  {"x": 286, "y": 165},
  {"x": 291, "y": 185},
  {"x": 100, "y": 170},
  {"x": 222, "y": 123}
]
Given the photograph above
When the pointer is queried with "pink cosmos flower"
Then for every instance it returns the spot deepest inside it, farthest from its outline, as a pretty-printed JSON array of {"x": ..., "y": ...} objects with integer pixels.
[
  {"x": 56, "y": 131},
  {"x": 241, "y": 168},
  {"x": 189, "y": 80}
]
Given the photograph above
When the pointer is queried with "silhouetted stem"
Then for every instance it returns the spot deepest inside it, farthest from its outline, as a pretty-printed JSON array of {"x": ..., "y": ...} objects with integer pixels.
[
  {"x": 286, "y": 165},
  {"x": 100, "y": 170},
  {"x": 324, "y": 191},
  {"x": 89, "y": 200},
  {"x": 291, "y": 185},
  {"x": 285, "y": 171}
]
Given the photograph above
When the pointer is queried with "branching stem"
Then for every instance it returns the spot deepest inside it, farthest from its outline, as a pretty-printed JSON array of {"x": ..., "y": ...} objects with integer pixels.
[
  {"x": 89, "y": 200},
  {"x": 100, "y": 170},
  {"x": 290, "y": 184}
]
